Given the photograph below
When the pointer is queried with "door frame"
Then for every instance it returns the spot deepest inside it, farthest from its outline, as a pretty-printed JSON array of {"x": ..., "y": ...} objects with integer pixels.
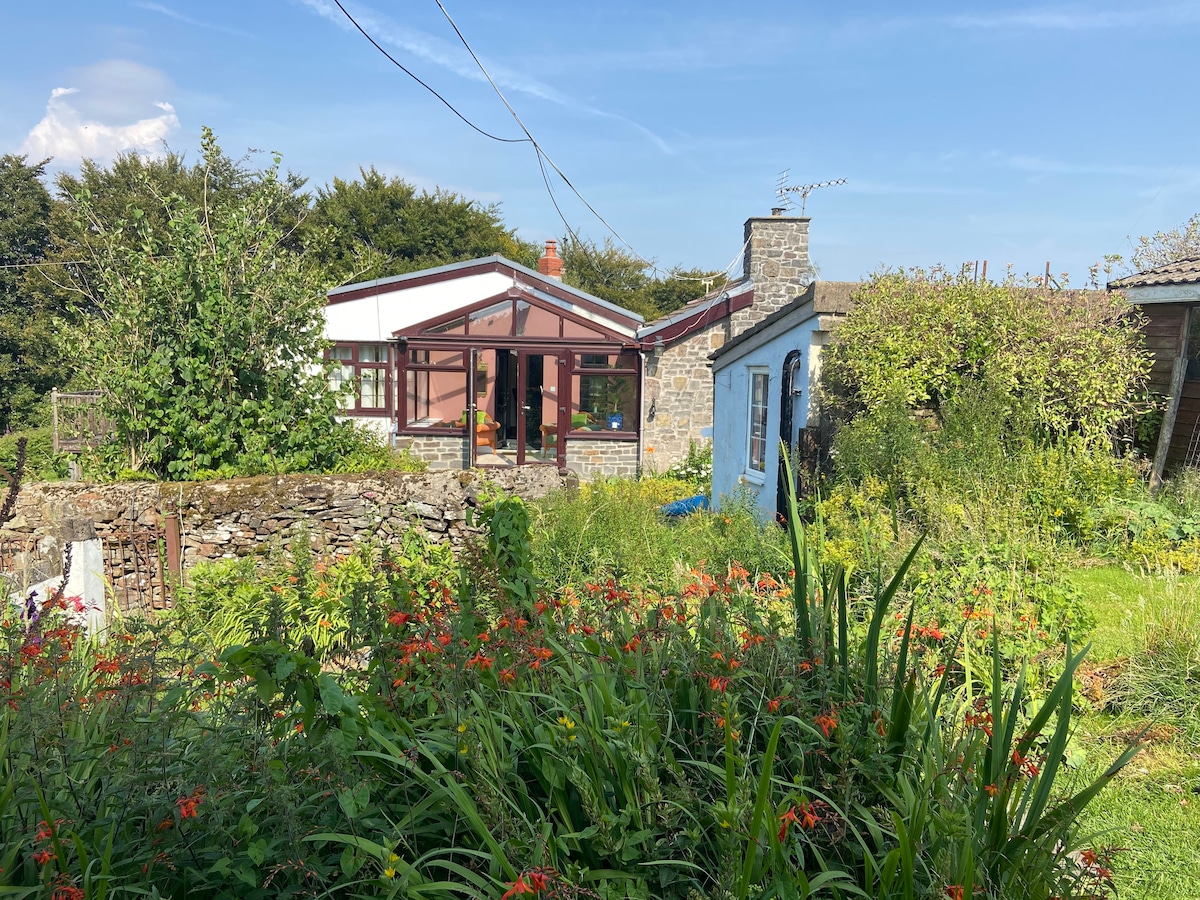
[{"x": 558, "y": 359}]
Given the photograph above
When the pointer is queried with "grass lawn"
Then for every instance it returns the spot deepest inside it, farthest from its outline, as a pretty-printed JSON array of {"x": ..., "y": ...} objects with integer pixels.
[{"x": 1151, "y": 812}]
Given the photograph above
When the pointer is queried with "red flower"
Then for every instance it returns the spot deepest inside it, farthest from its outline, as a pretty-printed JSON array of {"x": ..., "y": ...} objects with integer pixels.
[
  {"x": 718, "y": 684},
  {"x": 399, "y": 619},
  {"x": 773, "y": 704},
  {"x": 955, "y": 892},
  {"x": 42, "y": 857}
]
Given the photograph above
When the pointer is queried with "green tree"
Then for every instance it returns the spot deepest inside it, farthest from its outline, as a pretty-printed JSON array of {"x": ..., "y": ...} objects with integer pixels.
[
  {"x": 378, "y": 226},
  {"x": 681, "y": 286},
  {"x": 207, "y": 323},
  {"x": 29, "y": 363},
  {"x": 608, "y": 272}
]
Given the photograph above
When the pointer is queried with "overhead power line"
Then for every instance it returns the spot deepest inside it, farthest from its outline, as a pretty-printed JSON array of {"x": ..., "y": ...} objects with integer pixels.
[
  {"x": 544, "y": 160},
  {"x": 411, "y": 75}
]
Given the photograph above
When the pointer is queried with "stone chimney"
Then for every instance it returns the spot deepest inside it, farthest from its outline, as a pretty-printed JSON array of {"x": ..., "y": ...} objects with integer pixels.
[
  {"x": 777, "y": 262},
  {"x": 550, "y": 264}
]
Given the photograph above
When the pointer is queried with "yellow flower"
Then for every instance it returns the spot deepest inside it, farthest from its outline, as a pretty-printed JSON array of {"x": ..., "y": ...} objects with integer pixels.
[
  {"x": 462, "y": 726},
  {"x": 389, "y": 872}
]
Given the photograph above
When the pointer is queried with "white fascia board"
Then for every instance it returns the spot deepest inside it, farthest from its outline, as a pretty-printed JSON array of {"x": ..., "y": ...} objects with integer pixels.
[{"x": 1163, "y": 293}]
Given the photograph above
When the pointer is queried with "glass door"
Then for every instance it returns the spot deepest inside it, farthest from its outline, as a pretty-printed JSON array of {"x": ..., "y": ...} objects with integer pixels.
[{"x": 542, "y": 388}]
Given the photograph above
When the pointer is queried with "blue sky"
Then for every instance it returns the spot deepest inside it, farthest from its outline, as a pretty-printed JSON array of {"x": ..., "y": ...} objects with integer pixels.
[{"x": 966, "y": 131}]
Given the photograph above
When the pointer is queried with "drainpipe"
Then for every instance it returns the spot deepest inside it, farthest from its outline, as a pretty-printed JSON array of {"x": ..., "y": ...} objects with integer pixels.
[
  {"x": 791, "y": 363},
  {"x": 641, "y": 423}
]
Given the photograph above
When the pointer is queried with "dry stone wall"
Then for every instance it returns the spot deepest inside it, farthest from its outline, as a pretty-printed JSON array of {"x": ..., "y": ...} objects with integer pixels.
[{"x": 249, "y": 515}]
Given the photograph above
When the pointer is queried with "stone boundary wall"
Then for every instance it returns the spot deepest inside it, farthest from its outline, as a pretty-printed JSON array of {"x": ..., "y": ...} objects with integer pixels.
[{"x": 224, "y": 519}]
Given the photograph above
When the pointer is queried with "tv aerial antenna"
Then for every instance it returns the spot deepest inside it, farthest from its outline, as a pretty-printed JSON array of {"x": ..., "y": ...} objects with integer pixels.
[{"x": 785, "y": 190}]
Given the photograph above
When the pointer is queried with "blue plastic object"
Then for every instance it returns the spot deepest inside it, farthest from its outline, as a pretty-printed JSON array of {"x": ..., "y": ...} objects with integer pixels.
[{"x": 686, "y": 506}]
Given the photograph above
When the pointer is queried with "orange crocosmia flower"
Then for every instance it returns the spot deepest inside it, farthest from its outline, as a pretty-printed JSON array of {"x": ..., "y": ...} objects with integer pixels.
[
  {"x": 42, "y": 857},
  {"x": 785, "y": 820},
  {"x": 773, "y": 704},
  {"x": 826, "y": 722},
  {"x": 518, "y": 887},
  {"x": 633, "y": 644},
  {"x": 508, "y": 676},
  {"x": 955, "y": 892},
  {"x": 718, "y": 683}
]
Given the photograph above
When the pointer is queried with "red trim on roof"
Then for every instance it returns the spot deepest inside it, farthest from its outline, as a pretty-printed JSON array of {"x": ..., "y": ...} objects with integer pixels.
[
  {"x": 463, "y": 312},
  {"x": 700, "y": 320},
  {"x": 551, "y": 288}
]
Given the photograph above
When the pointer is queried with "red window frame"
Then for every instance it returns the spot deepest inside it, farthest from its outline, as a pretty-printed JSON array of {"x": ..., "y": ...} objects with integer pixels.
[{"x": 355, "y": 406}]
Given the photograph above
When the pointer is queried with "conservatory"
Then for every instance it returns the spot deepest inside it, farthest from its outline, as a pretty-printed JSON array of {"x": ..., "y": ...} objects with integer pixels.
[{"x": 487, "y": 362}]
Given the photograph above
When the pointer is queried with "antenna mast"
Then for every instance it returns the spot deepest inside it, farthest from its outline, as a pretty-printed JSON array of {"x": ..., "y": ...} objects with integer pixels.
[{"x": 803, "y": 190}]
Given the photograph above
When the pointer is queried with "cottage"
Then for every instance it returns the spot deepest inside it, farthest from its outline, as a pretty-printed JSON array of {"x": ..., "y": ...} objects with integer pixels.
[
  {"x": 765, "y": 392},
  {"x": 1168, "y": 297},
  {"x": 489, "y": 363}
]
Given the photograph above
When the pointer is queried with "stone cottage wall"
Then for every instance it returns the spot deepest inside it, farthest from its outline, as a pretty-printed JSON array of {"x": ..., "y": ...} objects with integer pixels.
[
  {"x": 248, "y": 515},
  {"x": 591, "y": 458},
  {"x": 680, "y": 387}
]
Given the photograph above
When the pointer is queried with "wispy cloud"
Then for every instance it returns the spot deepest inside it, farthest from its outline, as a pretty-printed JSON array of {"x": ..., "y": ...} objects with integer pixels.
[
  {"x": 1078, "y": 18},
  {"x": 188, "y": 20},
  {"x": 1068, "y": 18},
  {"x": 105, "y": 116},
  {"x": 1037, "y": 165},
  {"x": 451, "y": 57}
]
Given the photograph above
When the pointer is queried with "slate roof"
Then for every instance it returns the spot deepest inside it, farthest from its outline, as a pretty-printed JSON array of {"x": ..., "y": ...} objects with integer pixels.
[
  {"x": 1181, "y": 271},
  {"x": 699, "y": 305},
  {"x": 827, "y": 297}
]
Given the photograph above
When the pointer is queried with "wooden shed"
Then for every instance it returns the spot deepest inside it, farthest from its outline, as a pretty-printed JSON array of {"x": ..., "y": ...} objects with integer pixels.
[{"x": 1168, "y": 297}]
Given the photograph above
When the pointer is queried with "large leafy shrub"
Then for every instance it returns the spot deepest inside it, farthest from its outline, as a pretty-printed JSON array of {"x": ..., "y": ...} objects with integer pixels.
[
  {"x": 204, "y": 334},
  {"x": 1068, "y": 362}
]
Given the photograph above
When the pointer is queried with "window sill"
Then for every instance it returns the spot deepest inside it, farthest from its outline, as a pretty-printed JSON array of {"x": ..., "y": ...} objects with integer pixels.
[{"x": 752, "y": 477}]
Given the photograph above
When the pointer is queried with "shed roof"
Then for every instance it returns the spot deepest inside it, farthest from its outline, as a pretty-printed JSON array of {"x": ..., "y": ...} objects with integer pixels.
[{"x": 1181, "y": 271}]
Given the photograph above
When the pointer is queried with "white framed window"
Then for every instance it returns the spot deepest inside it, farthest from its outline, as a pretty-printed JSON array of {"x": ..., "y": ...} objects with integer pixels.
[{"x": 756, "y": 449}]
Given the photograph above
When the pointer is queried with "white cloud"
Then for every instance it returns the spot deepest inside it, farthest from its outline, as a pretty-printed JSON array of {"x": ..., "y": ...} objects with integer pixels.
[{"x": 107, "y": 114}]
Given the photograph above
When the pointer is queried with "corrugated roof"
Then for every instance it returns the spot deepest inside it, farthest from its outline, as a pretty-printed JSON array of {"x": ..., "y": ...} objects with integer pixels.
[{"x": 1181, "y": 271}]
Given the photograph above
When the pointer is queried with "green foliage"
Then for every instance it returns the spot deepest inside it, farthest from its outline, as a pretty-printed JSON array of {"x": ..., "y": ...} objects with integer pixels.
[
  {"x": 1066, "y": 362},
  {"x": 618, "y": 276},
  {"x": 205, "y": 337},
  {"x": 29, "y": 362},
  {"x": 1161, "y": 679},
  {"x": 695, "y": 468},
  {"x": 733, "y": 739},
  {"x": 1165, "y": 247},
  {"x": 41, "y": 462},
  {"x": 376, "y": 226},
  {"x": 614, "y": 529}
]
